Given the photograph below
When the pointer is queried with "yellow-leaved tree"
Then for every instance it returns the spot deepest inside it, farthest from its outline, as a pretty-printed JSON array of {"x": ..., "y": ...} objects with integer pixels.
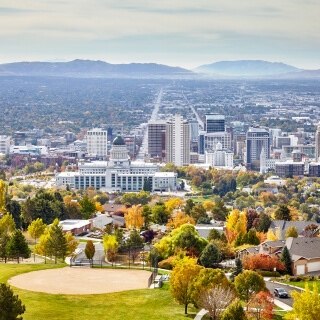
[
  {"x": 3, "y": 193},
  {"x": 179, "y": 219},
  {"x": 173, "y": 204},
  {"x": 208, "y": 205},
  {"x": 306, "y": 305},
  {"x": 271, "y": 235},
  {"x": 134, "y": 217},
  {"x": 181, "y": 280},
  {"x": 111, "y": 246}
]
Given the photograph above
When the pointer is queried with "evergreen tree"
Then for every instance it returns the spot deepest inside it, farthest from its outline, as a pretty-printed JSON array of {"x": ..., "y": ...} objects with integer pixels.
[
  {"x": 282, "y": 213},
  {"x": 210, "y": 256},
  {"x": 188, "y": 206},
  {"x": 251, "y": 238},
  {"x": 11, "y": 306},
  {"x": 263, "y": 223},
  {"x": 237, "y": 269},
  {"x": 286, "y": 259},
  {"x": 214, "y": 234},
  {"x": 57, "y": 244},
  {"x": 147, "y": 185},
  {"x": 17, "y": 246}
]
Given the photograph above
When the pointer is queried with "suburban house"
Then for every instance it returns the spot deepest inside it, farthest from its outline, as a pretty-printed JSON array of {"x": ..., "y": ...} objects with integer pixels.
[
  {"x": 304, "y": 251},
  {"x": 76, "y": 227},
  {"x": 299, "y": 225}
]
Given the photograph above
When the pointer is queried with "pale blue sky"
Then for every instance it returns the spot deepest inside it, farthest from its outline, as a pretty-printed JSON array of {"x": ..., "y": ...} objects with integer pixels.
[{"x": 184, "y": 33}]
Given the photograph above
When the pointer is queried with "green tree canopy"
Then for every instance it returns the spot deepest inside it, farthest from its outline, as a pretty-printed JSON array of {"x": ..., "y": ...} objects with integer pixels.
[
  {"x": 282, "y": 213},
  {"x": 56, "y": 242},
  {"x": 210, "y": 256},
  {"x": 11, "y": 306},
  {"x": 17, "y": 246},
  {"x": 248, "y": 283}
]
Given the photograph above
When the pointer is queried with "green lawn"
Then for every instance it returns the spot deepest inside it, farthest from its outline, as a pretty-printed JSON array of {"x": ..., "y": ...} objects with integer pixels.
[
  {"x": 302, "y": 284},
  {"x": 143, "y": 304}
]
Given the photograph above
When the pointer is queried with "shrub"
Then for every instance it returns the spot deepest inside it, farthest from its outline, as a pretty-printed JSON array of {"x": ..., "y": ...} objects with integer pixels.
[
  {"x": 166, "y": 264},
  {"x": 269, "y": 273}
]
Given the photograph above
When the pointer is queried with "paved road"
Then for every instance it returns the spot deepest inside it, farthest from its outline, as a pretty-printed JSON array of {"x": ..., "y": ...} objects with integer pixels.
[
  {"x": 200, "y": 122},
  {"x": 144, "y": 145},
  {"x": 271, "y": 286}
]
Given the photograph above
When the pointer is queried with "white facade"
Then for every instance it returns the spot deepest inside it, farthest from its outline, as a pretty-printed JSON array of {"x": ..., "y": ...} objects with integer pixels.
[
  {"x": 4, "y": 144},
  {"x": 219, "y": 157},
  {"x": 212, "y": 139},
  {"x": 118, "y": 174},
  {"x": 29, "y": 150},
  {"x": 178, "y": 142},
  {"x": 97, "y": 142}
]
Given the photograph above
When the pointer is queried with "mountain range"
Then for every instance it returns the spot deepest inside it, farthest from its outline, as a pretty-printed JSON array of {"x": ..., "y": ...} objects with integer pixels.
[
  {"x": 88, "y": 68},
  {"x": 222, "y": 69},
  {"x": 246, "y": 68}
]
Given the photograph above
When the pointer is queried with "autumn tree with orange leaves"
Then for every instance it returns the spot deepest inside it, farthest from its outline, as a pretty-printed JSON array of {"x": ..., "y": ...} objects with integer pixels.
[
  {"x": 262, "y": 262},
  {"x": 261, "y": 306}
]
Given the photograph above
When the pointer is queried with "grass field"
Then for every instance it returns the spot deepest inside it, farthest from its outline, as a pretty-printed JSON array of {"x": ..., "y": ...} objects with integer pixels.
[
  {"x": 143, "y": 304},
  {"x": 302, "y": 284}
]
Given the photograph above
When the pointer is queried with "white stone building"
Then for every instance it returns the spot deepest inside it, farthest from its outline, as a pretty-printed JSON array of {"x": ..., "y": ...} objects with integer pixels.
[{"x": 118, "y": 174}]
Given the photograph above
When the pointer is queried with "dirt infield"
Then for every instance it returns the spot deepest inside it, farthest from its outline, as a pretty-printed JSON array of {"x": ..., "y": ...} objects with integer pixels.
[{"x": 81, "y": 280}]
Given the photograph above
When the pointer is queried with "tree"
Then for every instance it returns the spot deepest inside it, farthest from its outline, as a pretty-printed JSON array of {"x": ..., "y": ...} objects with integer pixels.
[
  {"x": 208, "y": 205},
  {"x": 219, "y": 211},
  {"x": 87, "y": 207},
  {"x": 252, "y": 215},
  {"x": 198, "y": 211},
  {"x": 234, "y": 311},
  {"x": 214, "y": 234},
  {"x": 263, "y": 223},
  {"x": 237, "y": 269},
  {"x": 262, "y": 262},
  {"x": 206, "y": 279},
  {"x": 188, "y": 206},
  {"x": 173, "y": 203},
  {"x": 271, "y": 235},
  {"x": 72, "y": 243},
  {"x": 282, "y": 213},
  {"x": 248, "y": 283},
  {"x": 292, "y": 232},
  {"x": 110, "y": 245},
  {"x": 147, "y": 185},
  {"x": 90, "y": 250},
  {"x": 210, "y": 256},
  {"x": 181, "y": 280},
  {"x": 179, "y": 219},
  {"x": 306, "y": 305},
  {"x": 3, "y": 195},
  {"x": 4, "y": 239},
  {"x": 135, "y": 244},
  {"x": 251, "y": 238},
  {"x": 36, "y": 229},
  {"x": 17, "y": 246},
  {"x": 11, "y": 306},
  {"x": 159, "y": 213},
  {"x": 146, "y": 213},
  {"x": 261, "y": 306},
  {"x": 134, "y": 217},
  {"x": 56, "y": 242},
  {"x": 216, "y": 299},
  {"x": 7, "y": 224},
  {"x": 286, "y": 259},
  {"x": 13, "y": 207},
  {"x": 42, "y": 246}
]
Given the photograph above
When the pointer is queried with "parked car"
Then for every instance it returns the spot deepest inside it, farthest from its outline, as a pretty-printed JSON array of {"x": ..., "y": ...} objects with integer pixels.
[{"x": 281, "y": 293}]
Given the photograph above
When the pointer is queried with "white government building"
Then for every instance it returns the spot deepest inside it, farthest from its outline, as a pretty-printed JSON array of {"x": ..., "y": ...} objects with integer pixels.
[{"x": 119, "y": 173}]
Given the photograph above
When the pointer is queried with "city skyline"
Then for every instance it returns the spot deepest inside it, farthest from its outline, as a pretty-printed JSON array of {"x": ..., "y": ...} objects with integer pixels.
[{"x": 186, "y": 35}]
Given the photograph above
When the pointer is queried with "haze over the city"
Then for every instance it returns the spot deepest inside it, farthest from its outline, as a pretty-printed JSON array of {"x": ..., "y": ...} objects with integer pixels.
[{"x": 178, "y": 33}]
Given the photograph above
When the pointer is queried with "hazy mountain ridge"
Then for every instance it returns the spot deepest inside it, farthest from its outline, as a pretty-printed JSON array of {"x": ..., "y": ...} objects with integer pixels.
[
  {"x": 88, "y": 68},
  {"x": 246, "y": 68}
]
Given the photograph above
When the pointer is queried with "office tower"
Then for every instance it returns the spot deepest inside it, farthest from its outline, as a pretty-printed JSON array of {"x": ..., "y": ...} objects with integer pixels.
[
  {"x": 257, "y": 139},
  {"x": 4, "y": 144},
  {"x": 215, "y": 123},
  {"x": 155, "y": 138},
  {"x": 178, "y": 141},
  {"x": 194, "y": 130},
  {"x": 97, "y": 142},
  {"x": 317, "y": 138}
]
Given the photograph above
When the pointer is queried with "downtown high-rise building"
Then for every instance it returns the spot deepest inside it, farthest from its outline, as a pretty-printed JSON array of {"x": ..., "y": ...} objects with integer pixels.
[
  {"x": 97, "y": 142},
  {"x": 257, "y": 140},
  {"x": 156, "y": 138},
  {"x": 177, "y": 141},
  {"x": 215, "y": 123}
]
